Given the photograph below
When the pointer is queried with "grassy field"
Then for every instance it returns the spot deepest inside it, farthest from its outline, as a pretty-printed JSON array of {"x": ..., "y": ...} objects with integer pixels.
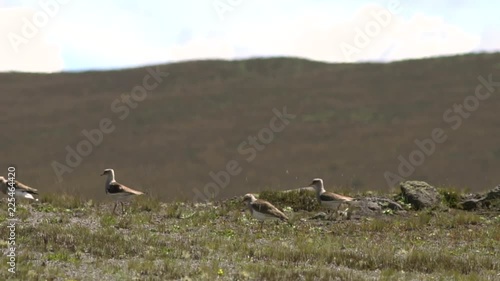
[
  {"x": 66, "y": 238},
  {"x": 352, "y": 123}
]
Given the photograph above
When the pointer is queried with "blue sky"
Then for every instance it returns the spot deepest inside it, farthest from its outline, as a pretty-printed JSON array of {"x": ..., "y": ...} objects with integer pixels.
[{"x": 73, "y": 35}]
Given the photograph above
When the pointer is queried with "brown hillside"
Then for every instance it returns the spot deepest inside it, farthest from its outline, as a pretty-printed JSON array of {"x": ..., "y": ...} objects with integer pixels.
[{"x": 352, "y": 122}]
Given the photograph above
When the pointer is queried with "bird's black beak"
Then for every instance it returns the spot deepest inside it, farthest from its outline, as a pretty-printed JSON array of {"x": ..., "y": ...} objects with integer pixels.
[{"x": 102, "y": 174}]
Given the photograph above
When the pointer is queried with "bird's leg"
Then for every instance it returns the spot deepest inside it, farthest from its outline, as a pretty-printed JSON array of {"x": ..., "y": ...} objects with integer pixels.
[
  {"x": 338, "y": 211},
  {"x": 123, "y": 208},
  {"x": 261, "y": 224},
  {"x": 330, "y": 214},
  {"x": 349, "y": 212},
  {"x": 333, "y": 213},
  {"x": 345, "y": 212},
  {"x": 114, "y": 209}
]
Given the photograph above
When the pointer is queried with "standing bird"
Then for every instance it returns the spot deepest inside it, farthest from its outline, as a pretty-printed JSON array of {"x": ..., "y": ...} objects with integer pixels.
[
  {"x": 328, "y": 199},
  {"x": 118, "y": 191},
  {"x": 21, "y": 190},
  {"x": 263, "y": 210}
]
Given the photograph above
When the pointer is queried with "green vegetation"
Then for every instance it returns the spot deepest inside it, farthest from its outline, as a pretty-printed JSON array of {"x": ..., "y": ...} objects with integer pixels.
[
  {"x": 296, "y": 199},
  {"x": 76, "y": 240},
  {"x": 450, "y": 197}
]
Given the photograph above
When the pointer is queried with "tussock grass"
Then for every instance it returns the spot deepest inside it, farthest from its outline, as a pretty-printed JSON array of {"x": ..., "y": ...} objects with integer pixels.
[
  {"x": 296, "y": 199},
  {"x": 61, "y": 201},
  {"x": 460, "y": 218},
  {"x": 145, "y": 203}
]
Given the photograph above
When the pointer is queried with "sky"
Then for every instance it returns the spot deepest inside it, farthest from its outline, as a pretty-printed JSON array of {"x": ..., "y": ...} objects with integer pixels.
[{"x": 76, "y": 35}]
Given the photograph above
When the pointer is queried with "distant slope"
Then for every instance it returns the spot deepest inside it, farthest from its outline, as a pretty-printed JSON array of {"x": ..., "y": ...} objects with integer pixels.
[{"x": 352, "y": 122}]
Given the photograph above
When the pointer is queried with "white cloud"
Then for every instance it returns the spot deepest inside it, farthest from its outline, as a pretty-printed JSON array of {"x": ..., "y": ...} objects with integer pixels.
[
  {"x": 113, "y": 44},
  {"x": 424, "y": 36},
  {"x": 202, "y": 48},
  {"x": 309, "y": 37},
  {"x": 19, "y": 52}
]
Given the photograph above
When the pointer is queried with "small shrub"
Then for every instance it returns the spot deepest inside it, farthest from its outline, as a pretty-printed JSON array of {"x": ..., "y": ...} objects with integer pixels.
[
  {"x": 449, "y": 197},
  {"x": 401, "y": 201}
]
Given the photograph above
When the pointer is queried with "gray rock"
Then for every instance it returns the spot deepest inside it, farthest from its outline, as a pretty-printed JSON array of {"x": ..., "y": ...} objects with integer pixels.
[
  {"x": 393, "y": 205},
  {"x": 493, "y": 194},
  {"x": 475, "y": 201},
  {"x": 379, "y": 203},
  {"x": 373, "y": 206},
  {"x": 420, "y": 194},
  {"x": 471, "y": 204},
  {"x": 319, "y": 216},
  {"x": 367, "y": 208}
]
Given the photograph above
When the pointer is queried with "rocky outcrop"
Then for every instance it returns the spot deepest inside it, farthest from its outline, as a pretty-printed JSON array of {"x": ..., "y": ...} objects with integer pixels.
[
  {"x": 486, "y": 200},
  {"x": 471, "y": 204},
  {"x": 420, "y": 194},
  {"x": 368, "y": 205},
  {"x": 493, "y": 194}
]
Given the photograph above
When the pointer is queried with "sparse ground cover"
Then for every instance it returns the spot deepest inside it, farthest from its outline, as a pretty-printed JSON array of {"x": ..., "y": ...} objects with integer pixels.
[{"x": 66, "y": 238}]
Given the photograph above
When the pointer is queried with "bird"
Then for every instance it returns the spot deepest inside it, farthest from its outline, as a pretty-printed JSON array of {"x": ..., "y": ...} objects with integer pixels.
[
  {"x": 117, "y": 190},
  {"x": 262, "y": 210},
  {"x": 21, "y": 190},
  {"x": 329, "y": 199}
]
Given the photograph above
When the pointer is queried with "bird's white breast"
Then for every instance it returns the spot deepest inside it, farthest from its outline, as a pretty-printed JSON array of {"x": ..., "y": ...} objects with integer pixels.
[
  {"x": 24, "y": 194},
  {"x": 331, "y": 204},
  {"x": 262, "y": 216}
]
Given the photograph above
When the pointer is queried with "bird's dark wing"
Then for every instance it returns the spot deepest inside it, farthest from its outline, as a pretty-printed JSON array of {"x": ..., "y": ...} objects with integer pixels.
[
  {"x": 115, "y": 188},
  {"x": 330, "y": 196},
  {"x": 268, "y": 208}
]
